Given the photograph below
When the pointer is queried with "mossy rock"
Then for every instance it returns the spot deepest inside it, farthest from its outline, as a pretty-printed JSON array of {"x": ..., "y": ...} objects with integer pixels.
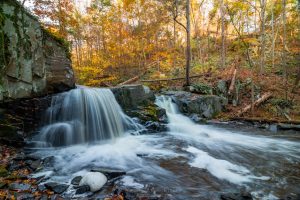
[
  {"x": 3, "y": 171},
  {"x": 201, "y": 88},
  {"x": 150, "y": 112}
]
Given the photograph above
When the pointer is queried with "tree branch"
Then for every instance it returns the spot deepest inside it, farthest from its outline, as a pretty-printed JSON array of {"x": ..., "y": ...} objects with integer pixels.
[{"x": 175, "y": 19}]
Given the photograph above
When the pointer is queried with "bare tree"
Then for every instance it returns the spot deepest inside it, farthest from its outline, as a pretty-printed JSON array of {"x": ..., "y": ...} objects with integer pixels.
[
  {"x": 188, "y": 43},
  {"x": 284, "y": 47},
  {"x": 262, "y": 35},
  {"x": 223, "y": 34},
  {"x": 273, "y": 36},
  {"x": 188, "y": 37}
]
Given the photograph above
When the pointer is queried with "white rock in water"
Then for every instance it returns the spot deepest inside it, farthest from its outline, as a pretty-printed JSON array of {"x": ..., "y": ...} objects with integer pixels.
[{"x": 95, "y": 180}]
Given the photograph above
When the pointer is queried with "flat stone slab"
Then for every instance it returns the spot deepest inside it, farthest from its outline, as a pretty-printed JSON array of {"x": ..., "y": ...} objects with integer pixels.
[{"x": 56, "y": 187}]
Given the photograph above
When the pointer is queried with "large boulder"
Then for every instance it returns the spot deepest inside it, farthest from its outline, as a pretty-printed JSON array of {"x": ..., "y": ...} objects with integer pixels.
[
  {"x": 33, "y": 62},
  {"x": 207, "y": 106},
  {"x": 132, "y": 96}
]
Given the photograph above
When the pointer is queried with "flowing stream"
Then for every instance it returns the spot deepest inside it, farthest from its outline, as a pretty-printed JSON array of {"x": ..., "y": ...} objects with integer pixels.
[{"x": 190, "y": 161}]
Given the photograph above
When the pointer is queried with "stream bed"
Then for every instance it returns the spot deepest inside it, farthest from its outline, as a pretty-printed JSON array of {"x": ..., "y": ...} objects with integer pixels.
[{"x": 190, "y": 161}]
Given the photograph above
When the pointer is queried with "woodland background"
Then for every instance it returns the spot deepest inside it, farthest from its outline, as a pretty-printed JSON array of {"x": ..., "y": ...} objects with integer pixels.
[{"x": 111, "y": 41}]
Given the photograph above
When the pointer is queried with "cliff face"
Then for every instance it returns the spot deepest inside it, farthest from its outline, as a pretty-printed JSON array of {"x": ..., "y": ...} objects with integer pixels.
[{"x": 32, "y": 62}]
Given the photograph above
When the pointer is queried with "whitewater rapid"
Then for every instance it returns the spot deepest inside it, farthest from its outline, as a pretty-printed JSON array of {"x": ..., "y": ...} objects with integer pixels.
[{"x": 193, "y": 161}]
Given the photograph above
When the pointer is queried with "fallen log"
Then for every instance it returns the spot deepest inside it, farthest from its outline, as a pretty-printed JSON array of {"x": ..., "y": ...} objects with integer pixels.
[
  {"x": 132, "y": 80},
  {"x": 264, "y": 97},
  {"x": 129, "y": 81},
  {"x": 104, "y": 84},
  {"x": 171, "y": 79},
  {"x": 232, "y": 84}
]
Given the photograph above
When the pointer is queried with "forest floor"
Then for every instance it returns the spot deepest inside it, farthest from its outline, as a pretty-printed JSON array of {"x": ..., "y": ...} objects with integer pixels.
[{"x": 277, "y": 109}]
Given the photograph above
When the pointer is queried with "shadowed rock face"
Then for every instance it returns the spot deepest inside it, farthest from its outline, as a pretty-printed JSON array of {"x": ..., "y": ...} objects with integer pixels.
[
  {"x": 207, "y": 106},
  {"x": 132, "y": 96},
  {"x": 33, "y": 63}
]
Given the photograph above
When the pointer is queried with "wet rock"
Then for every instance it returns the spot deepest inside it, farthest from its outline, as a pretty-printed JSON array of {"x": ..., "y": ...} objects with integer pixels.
[
  {"x": 49, "y": 161},
  {"x": 76, "y": 180},
  {"x": 109, "y": 173},
  {"x": 44, "y": 197},
  {"x": 25, "y": 196},
  {"x": 19, "y": 186},
  {"x": 131, "y": 96},
  {"x": 291, "y": 197},
  {"x": 83, "y": 189},
  {"x": 156, "y": 126},
  {"x": 35, "y": 165},
  {"x": 41, "y": 187},
  {"x": 148, "y": 113},
  {"x": 28, "y": 162},
  {"x": 32, "y": 157},
  {"x": 19, "y": 157},
  {"x": 95, "y": 180},
  {"x": 289, "y": 127},
  {"x": 273, "y": 128},
  {"x": 56, "y": 187},
  {"x": 56, "y": 197},
  {"x": 141, "y": 155},
  {"x": 196, "y": 118},
  {"x": 237, "y": 196},
  {"x": 207, "y": 106}
]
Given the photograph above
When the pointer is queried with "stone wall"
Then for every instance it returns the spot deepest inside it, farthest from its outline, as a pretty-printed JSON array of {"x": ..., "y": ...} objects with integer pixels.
[{"x": 32, "y": 62}]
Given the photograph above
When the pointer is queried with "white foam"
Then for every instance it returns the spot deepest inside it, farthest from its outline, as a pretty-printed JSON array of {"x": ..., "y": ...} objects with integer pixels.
[
  {"x": 130, "y": 182},
  {"x": 184, "y": 128},
  {"x": 221, "y": 169},
  {"x": 122, "y": 153}
]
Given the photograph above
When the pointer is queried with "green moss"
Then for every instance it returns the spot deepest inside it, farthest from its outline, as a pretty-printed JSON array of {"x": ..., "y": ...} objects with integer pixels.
[
  {"x": 64, "y": 43},
  {"x": 21, "y": 9},
  {"x": 282, "y": 103},
  {"x": 3, "y": 171},
  {"x": 2, "y": 47},
  {"x": 202, "y": 88}
]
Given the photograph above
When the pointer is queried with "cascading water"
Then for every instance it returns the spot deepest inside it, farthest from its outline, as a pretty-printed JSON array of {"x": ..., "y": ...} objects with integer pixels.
[
  {"x": 84, "y": 115},
  {"x": 195, "y": 161},
  {"x": 210, "y": 145}
]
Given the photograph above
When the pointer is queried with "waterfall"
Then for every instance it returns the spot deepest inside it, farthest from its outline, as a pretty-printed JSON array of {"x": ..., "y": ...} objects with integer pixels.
[{"x": 84, "y": 115}]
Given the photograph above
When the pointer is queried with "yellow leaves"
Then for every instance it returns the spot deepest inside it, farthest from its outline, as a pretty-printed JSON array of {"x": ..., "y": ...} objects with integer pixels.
[
  {"x": 128, "y": 3},
  {"x": 252, "y": 41}
]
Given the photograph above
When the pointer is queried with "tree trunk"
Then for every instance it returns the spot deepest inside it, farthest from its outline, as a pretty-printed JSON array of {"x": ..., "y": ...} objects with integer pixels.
[
  {"x": 273, "y": 36},
  {"x": 174, "y": 45},
  {"x": 188, "y": 43},
  {"x": 208, "y": 39},
  {"x": 262, "y": 34},
  {"x": 284, "y": 49},
  {"x": 223, "y": 34}
]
